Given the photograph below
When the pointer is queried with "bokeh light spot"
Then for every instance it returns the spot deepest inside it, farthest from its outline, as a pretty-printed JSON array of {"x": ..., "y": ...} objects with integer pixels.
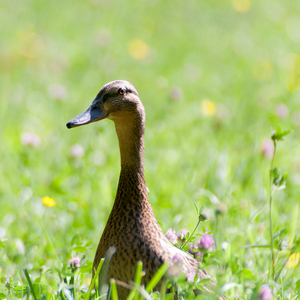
[
  {"x": 241, "y": 5},
  {"x": 48, "y": 201},
  {"x": 293, "y": 260},
  {"x": 207, "y": 107},
  {"x": 138, "y": 49}
]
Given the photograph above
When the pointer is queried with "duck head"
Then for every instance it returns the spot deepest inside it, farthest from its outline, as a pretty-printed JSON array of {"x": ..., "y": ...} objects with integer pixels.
[{"x": 116, "y": 100}]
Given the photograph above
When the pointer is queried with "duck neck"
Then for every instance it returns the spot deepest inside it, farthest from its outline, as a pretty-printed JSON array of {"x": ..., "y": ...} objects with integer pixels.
[{"x": 132, "y": 190}]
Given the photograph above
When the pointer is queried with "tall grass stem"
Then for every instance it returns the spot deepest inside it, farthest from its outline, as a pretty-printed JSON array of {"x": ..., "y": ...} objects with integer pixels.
[
  {"x": 191, "y": 235},
  {"x": 94, "y": 279},
  {"x": 270, "y": 213}
]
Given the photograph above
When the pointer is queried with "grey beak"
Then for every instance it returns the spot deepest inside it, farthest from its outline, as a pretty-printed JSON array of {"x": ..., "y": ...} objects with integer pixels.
[{"x": 92, "y": 114}]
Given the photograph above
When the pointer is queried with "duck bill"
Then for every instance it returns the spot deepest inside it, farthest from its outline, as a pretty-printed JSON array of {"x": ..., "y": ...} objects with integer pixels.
[{"x": 92, "y": 114}]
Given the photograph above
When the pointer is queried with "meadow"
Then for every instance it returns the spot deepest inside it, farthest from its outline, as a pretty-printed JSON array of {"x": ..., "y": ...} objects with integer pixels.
[{"x": 216, "y": 79}]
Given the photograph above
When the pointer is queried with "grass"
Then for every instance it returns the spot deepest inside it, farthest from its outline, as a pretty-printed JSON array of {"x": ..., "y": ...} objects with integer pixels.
[{"x": 213, "y": 76}]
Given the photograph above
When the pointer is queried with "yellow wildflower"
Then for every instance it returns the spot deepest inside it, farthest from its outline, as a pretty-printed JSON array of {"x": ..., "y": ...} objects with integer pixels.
[
  {"x": 293, "y": 260},
  {"x": 48, "y": 201},
  {"x": 138, "y": 49},
  {"x": 208, "y": 108},
  {"x": 241, "y": 5}
]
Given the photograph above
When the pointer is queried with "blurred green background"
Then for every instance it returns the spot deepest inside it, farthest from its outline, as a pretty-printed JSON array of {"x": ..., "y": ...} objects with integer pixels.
[{"x": 215, "y": 77}]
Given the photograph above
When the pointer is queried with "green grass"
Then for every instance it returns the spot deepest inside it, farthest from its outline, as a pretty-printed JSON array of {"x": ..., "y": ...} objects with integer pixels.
[{"x": 246, "y": 63}]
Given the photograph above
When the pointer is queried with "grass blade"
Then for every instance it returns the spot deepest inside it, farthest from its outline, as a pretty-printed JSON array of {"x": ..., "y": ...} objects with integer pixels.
[
  {"x": 49, "y": 241},
  {"x": 144, "y": 294},
  {"x": 104, "y": 270},
  {"x": 30, "y": 283},
  {"x": 94, "y": 279},
  {"x": 157, "y": 277},
  {"x": 138, "y": 279},
  {"x": 68, "y": 294},
  {"x": 114, "y": 291}
]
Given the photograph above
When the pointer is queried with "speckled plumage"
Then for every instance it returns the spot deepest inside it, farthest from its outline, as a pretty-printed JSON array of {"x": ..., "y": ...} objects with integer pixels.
[{"x": 131, "y": 227}]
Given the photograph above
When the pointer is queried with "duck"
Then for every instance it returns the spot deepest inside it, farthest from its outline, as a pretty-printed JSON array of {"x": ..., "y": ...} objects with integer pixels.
[{"x": 132, "y": 227}]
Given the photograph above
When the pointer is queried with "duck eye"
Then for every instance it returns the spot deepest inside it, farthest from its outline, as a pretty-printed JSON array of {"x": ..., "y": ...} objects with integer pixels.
[{"x": 121, "y": 91}]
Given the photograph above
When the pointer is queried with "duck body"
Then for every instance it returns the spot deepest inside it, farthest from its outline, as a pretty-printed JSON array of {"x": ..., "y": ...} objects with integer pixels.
[
  {"x": 134, "y": 231},
  {"x": 131, "y": 226}
]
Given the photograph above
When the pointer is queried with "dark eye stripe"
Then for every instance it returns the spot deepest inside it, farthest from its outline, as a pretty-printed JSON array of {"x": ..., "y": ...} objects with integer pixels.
[
  {"x": 113, "y": 93},
  {"x": 108, "y": 95}
]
